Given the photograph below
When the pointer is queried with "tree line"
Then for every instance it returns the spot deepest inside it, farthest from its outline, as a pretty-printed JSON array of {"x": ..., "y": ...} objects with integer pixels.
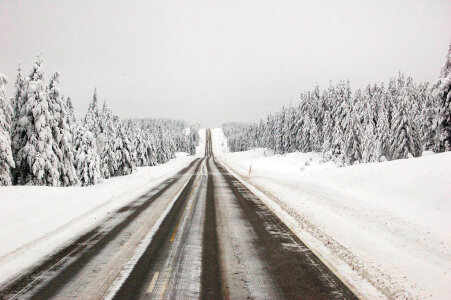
[
  {"x": 43, "y": 143},
  {"x": 381, "y": 122}
]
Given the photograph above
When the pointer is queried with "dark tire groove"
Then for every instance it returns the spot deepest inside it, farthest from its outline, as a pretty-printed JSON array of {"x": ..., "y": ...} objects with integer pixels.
[{"x": 211, "y": 275}]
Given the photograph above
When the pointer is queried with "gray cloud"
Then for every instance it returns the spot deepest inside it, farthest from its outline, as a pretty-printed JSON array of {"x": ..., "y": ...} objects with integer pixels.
[{"x": 213, "y": 61}]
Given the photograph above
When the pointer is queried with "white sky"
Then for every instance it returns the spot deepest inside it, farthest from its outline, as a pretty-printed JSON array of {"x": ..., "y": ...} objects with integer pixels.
[{"x": 215, "y": 61}]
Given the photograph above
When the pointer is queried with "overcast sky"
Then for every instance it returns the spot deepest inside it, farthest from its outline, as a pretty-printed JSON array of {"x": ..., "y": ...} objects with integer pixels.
[{"x": 215, "y": 61}]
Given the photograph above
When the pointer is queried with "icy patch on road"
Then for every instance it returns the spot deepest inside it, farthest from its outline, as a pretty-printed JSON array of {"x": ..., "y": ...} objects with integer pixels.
[{"x": 386, "y": 224}]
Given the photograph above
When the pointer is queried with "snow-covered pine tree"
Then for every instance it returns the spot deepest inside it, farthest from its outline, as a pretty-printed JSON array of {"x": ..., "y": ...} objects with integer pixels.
[
  {"x": 279, "y": 121},
  {"x": 327, "y": 133},
  {"x": 442, "y": 91},
  {"x": 5, "y": 105},
  {"x": 36, "y": 161},
  {"x": 321, "y": 115},
  {"x": 318, "y": 111},
  {"x": 6, "y": 115},
  {"x": 70, "y": 111},
  {"x": 260, "y": 133},
  {"x": 151, "y": 145},
  {"x": 352, "y": 136},
  {"x": 309, "y": 133},
  {"x": 315, "y": 143},
  {"x": 404, "y": 136},
  {"x": 142, "y": 158},
  {"x": 296, "y": 128},
  {"x": 167, "y": 146},
  {"x": 93, "y": 121},
  {"x": 133, "y": 133},
  {"x": 193, "y": 138},
  {"x": 377, "y": 95},
  {"x": 61, "y": 130},
  {"x": 108, "y": 155},
  {"x": 73, "y": 124},
  {"x": 364, "y": 108},
  {"x": 270, "y": 132},
  {"x": 161, "y": 145},
  {"x": 364, "y": 100},
  {"x": 18, "y": 100},
  {"x": 136, "y": 136},
  {"x": 369, "y": 143},
  {"x": 342, "y": 100},
  {"x": 124, "y": 149},
  {"x": 368, "y": 140},
  {"x": 262, "y": 130},
  {"x": 414, "y": 102},
  {"x": 87, "y": 160},
  {"x": 180, "y": 141},
  {"x": 170, "y": 136},
  {"x": 382, "y": 124},
  {"x": 330, "y": 104},
  {"x": 17, "y": 130},
  {"x": 426, "y": 116},
  {"x": 300, "y": 124},
  {"x": 382, "y": 150},
  {"x": 288, "y": 144},
  {"x": 254, "y": 135}
]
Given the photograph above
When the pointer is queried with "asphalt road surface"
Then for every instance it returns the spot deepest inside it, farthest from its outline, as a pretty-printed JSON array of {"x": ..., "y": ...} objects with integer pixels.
[{"x": 201, "y": 234}]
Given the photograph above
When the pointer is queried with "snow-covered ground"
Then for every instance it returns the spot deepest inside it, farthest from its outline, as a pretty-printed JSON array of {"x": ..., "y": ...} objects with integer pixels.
[
  {"x": 384, "y": 227},
  {"x": 36, "y": 220},
  {"x": 200, "y": 149}
]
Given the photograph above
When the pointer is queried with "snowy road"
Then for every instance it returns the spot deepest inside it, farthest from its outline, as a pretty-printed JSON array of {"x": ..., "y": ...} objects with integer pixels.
[{"x": 200, "y": 234}]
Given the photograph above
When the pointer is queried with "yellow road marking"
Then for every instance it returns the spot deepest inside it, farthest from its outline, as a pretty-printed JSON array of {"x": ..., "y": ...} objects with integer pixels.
[
  {"x": 153, "y": 282},
  {"x": 178, "y": 224},
  {"x": 175, "y": 231}
]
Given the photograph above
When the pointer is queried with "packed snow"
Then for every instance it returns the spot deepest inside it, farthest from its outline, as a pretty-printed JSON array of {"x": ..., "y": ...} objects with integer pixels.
[
  {"x": 36, "y": 220},
  {"x": 382, "y": 227}
]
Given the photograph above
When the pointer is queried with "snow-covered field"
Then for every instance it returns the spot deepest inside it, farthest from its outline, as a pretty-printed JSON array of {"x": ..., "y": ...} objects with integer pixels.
[
  {"x": 384, "y": 227},
  {"x": 36, "y": 220}
]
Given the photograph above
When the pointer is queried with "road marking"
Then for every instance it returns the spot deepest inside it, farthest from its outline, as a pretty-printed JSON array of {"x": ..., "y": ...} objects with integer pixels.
[
  {"x": 180, "y": 221},
  {"x": 175, "y": 231},
  {"x": 163, "y": 290},
  {"x": 153, "y": 282},
  {"x": 178, "y": 224}
]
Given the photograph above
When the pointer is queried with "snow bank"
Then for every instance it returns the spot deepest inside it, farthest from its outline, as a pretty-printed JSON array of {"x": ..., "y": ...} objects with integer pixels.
[
  {"x": 35, "y": 220},
  {"x": 383, "y": 227}
]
